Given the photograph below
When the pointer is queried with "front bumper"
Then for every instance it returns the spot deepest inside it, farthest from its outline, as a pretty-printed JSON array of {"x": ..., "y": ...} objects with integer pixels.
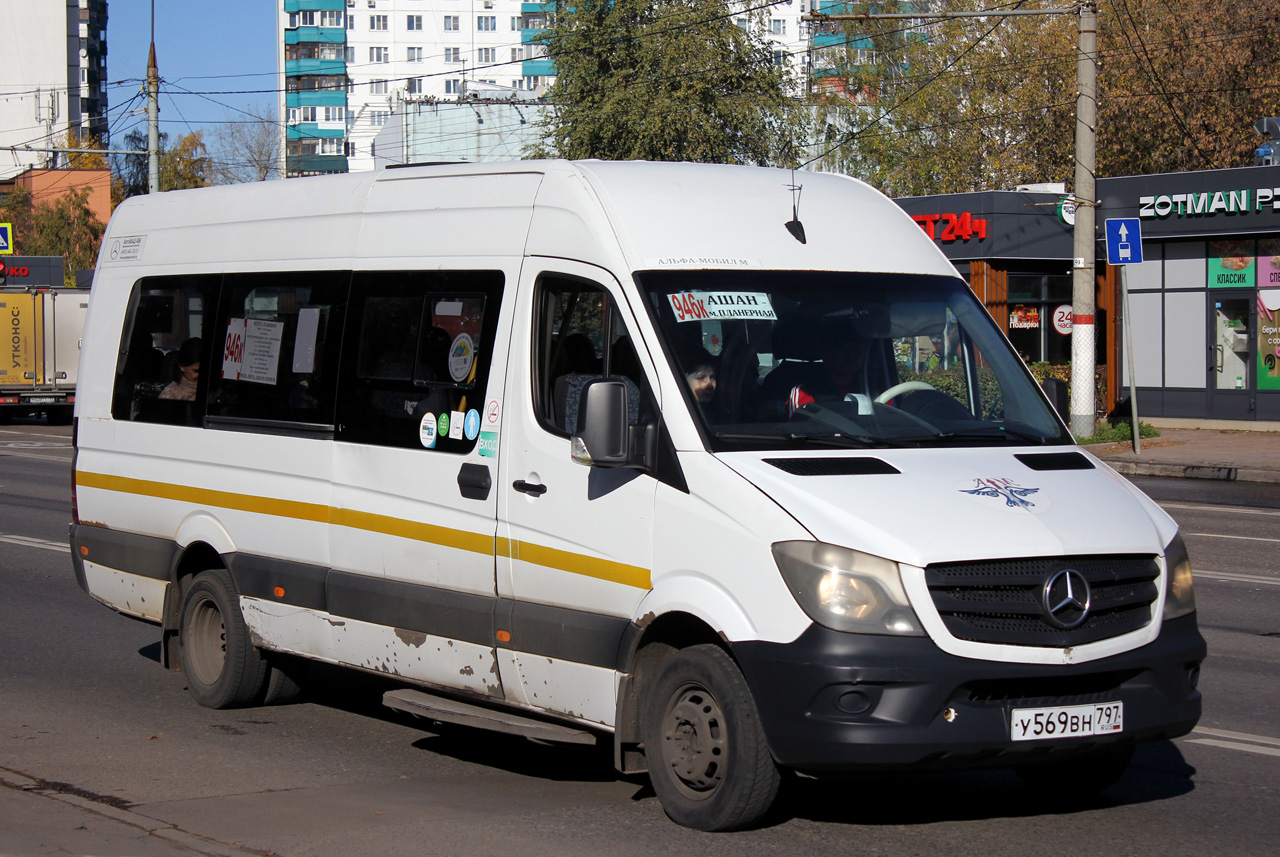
[{"x": 832, "y": 701}]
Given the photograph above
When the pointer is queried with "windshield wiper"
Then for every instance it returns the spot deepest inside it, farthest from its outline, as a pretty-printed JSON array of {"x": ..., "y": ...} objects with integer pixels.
[
  {"x": 835, "y": 439},
  {"x": 992, "y": 433}
]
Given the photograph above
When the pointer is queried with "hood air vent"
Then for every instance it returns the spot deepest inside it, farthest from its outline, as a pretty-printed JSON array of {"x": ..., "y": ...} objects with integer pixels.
[
  {"x": 1056, "y": 461},
  {"x": 856, "y": 466}
]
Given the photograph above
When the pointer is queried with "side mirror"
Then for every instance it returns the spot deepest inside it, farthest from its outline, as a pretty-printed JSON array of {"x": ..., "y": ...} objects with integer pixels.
[{"x": 605, "y": 437}]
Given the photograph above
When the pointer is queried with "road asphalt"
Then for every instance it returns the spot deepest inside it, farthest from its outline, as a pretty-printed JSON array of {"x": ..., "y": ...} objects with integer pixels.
[{"x": 51, "y": 818}]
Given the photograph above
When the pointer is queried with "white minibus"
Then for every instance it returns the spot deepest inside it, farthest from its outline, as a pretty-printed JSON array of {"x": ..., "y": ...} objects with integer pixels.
[{"x": 726, "y": 465}]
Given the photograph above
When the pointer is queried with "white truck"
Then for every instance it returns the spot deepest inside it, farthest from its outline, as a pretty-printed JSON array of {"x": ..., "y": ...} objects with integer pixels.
[{"x": 43, "y": 323}]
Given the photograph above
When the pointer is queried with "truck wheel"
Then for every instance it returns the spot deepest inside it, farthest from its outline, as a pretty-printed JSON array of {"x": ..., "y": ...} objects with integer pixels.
[
  {"x": 708, "y": 760},
  {"x": 1079, "y": 775},
  {"x": 223, "y": 668},
  {"x": 284, "y": 684}
]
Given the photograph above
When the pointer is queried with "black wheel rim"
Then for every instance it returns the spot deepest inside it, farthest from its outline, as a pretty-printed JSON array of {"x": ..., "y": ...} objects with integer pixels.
[
  {"x": 695, "y": 743},
  {"x": 207, "y": 642}
]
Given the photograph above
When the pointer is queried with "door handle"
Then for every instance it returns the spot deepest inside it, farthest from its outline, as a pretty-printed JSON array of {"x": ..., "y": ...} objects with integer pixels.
[
  {"x": 537, "y": 489},
  {"x": 1217, "y": 349}
]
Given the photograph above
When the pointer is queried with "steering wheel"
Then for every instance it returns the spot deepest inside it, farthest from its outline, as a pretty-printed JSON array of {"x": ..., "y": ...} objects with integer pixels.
[{"x": 904, "y": 387}]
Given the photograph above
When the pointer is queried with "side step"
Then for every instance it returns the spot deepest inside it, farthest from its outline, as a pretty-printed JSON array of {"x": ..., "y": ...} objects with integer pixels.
[{"x": 439, "y": 708}]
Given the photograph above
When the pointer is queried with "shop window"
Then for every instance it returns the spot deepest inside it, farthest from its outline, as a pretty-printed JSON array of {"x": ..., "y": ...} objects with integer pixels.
[
  {"x": 168, "y": 324},
  {"x": 278, "y": 336},
  {"x": 418, "y": 357},
  {"x": 582, "y": 337},
  {"x": 1038, "y": 327}
]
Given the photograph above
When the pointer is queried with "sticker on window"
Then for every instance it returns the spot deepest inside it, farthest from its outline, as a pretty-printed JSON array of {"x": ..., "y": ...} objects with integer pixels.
[
  {"x": 705, "y": 306},
  {"x": 462, "y": 356},
  {"x": 427, "y": 430}
]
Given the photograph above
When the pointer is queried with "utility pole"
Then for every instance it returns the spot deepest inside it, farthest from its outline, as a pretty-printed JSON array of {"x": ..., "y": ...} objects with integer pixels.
[
  {"x": 1083, "y": 282},
  {"x": 153, "y": 112},
  {"x": 1083, "y": 303}
]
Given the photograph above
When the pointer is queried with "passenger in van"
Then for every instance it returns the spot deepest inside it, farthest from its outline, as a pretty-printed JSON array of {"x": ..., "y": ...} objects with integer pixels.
[{"x": 183, "y": 388}]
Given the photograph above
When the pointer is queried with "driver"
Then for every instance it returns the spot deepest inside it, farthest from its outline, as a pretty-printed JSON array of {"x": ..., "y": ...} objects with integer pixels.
[{"x": 843, "y": 353}]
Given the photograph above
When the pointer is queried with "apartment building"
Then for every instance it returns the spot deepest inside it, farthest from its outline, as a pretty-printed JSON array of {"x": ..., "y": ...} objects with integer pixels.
[
  {"x": 53, "y": 76},
  {"x": 349, "y": 65}
]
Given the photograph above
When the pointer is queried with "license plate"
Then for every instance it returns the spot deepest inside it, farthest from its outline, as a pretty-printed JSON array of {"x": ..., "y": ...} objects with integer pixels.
[
  {"x": 42, "y": 400},
  {"x": 1066, "y": 721}
]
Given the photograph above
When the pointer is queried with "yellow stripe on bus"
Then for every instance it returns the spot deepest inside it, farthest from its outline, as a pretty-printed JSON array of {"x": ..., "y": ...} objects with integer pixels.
[
  {"x": 206, "y": 497},
  {"x": 573, "y": 563}
]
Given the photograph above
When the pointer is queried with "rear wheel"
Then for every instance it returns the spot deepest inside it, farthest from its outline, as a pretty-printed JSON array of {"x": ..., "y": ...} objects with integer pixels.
[
  {"x": 1079, "y": 775},
  {"x": 708, "y": 760},
  {"x": 223, "y": 668},
  {"x": 284, "y": 684}
]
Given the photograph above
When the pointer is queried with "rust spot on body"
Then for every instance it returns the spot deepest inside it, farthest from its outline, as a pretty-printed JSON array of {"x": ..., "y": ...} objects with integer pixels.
[
  {"x": 467, "y": 670},
  {"x": 411, "y": 638}
]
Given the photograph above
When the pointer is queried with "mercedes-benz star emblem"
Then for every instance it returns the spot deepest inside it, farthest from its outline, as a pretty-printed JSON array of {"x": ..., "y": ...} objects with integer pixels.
[{"x": 1066, "y": 599}]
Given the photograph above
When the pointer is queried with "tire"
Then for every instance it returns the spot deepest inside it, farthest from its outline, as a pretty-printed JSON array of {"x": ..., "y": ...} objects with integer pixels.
[
  {"x": 222, "y": 667},
  {"x": 284, "y": 684},
  {"x": 1079, "y": 775},
  {"x": 706, "y": 751}
]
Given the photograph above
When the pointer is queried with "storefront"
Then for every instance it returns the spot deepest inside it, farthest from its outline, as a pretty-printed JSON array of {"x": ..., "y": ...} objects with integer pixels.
[
  {"x": 1205, "y": 302},
  {"x": 1016, "y": 250}
]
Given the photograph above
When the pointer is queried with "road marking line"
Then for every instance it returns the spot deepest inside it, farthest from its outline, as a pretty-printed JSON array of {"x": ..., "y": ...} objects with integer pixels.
[
  {"x": 1237, "y": 578},
  {"x": 27, "y": 541},
  {"x": 1231, "y": 745},
  {"x": 1202, "y": 508},
  {"x": 1224, "y": 536},
  {"x": 1236, "y": 736}
]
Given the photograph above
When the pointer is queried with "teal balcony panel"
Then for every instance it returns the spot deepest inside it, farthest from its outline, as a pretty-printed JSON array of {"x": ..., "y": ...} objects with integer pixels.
[
  {"x": 309, "y": 131},
  {"x": 313, "y": 5},
  {"x": 294, "y": 67},
  {"x": 318, "y": 97},
  {"x": 315, "y": 164},
  {"x": 540, "y": 67}
]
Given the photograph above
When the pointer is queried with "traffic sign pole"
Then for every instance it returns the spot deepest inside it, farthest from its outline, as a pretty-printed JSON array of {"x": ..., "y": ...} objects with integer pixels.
[{"x": 1124, "y": 248}]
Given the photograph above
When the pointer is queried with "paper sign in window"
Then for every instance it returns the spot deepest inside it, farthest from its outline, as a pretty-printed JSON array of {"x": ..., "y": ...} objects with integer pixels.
[
  {"x": 706, "y": 306},
  {"x": 261, "y": 350},
  {"x": 304, "y": 345}
]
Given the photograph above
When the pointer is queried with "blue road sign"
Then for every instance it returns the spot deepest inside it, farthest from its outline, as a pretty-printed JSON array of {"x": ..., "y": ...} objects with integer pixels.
[
  {"x": 1124, "y": 241},
  {"x": 6, "y": 238}
]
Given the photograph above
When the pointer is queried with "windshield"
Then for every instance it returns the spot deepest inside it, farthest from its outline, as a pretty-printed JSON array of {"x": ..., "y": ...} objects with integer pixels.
[{"x": 783, "y": 358}]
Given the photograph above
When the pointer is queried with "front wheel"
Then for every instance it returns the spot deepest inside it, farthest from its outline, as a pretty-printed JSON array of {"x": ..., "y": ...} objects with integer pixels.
[
  {"x": 222, "y": 667},
  {"x": 708, "y": 760}
]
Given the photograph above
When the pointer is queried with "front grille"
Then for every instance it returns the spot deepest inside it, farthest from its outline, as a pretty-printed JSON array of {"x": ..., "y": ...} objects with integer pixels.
[
  {"x": 1057, "y": 690},
  {"x": 999, "y": 601}
]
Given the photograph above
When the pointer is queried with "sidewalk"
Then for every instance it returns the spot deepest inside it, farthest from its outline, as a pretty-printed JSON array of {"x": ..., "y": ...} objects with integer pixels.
[{"x": 1198, "y": 453}]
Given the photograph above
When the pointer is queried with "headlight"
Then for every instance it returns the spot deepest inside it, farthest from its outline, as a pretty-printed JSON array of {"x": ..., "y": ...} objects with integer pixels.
[
  {"x": 1179, "y": 590},
  {"x": 846, "y": 590}
]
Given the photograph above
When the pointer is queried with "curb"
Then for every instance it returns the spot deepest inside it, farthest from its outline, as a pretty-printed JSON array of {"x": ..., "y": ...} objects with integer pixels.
[{"x": 1193, "y": 471}]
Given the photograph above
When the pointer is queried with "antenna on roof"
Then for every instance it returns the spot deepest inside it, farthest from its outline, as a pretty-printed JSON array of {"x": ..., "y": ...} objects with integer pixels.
[{"x": 794, "y": 226}]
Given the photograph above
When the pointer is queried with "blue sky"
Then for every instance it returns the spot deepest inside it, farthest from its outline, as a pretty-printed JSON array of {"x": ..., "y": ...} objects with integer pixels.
[{"x": 224, "y": 50}]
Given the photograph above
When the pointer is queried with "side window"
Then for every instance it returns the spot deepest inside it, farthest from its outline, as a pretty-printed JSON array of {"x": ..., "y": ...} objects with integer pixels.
[
  {"x": 165, "y": 349},
  {"x": 278, "y": 338},
  {"x": 580, "y": 337},
  {"x": 416, "y": 365}
]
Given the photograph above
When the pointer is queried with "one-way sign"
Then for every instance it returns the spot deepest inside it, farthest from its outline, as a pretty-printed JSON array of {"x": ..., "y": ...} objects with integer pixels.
[{"x": 1124, "y": 241}]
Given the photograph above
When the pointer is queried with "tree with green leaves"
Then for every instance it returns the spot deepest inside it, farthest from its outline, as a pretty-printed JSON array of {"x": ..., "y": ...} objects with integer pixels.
[
  {"x": 947, "y": 106},
  {"x": 184, "y": 165},
  {"x": 666, "y": 80},
  {"x": 989, "y": 103},
  {"x": 66, "y": 227}
]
